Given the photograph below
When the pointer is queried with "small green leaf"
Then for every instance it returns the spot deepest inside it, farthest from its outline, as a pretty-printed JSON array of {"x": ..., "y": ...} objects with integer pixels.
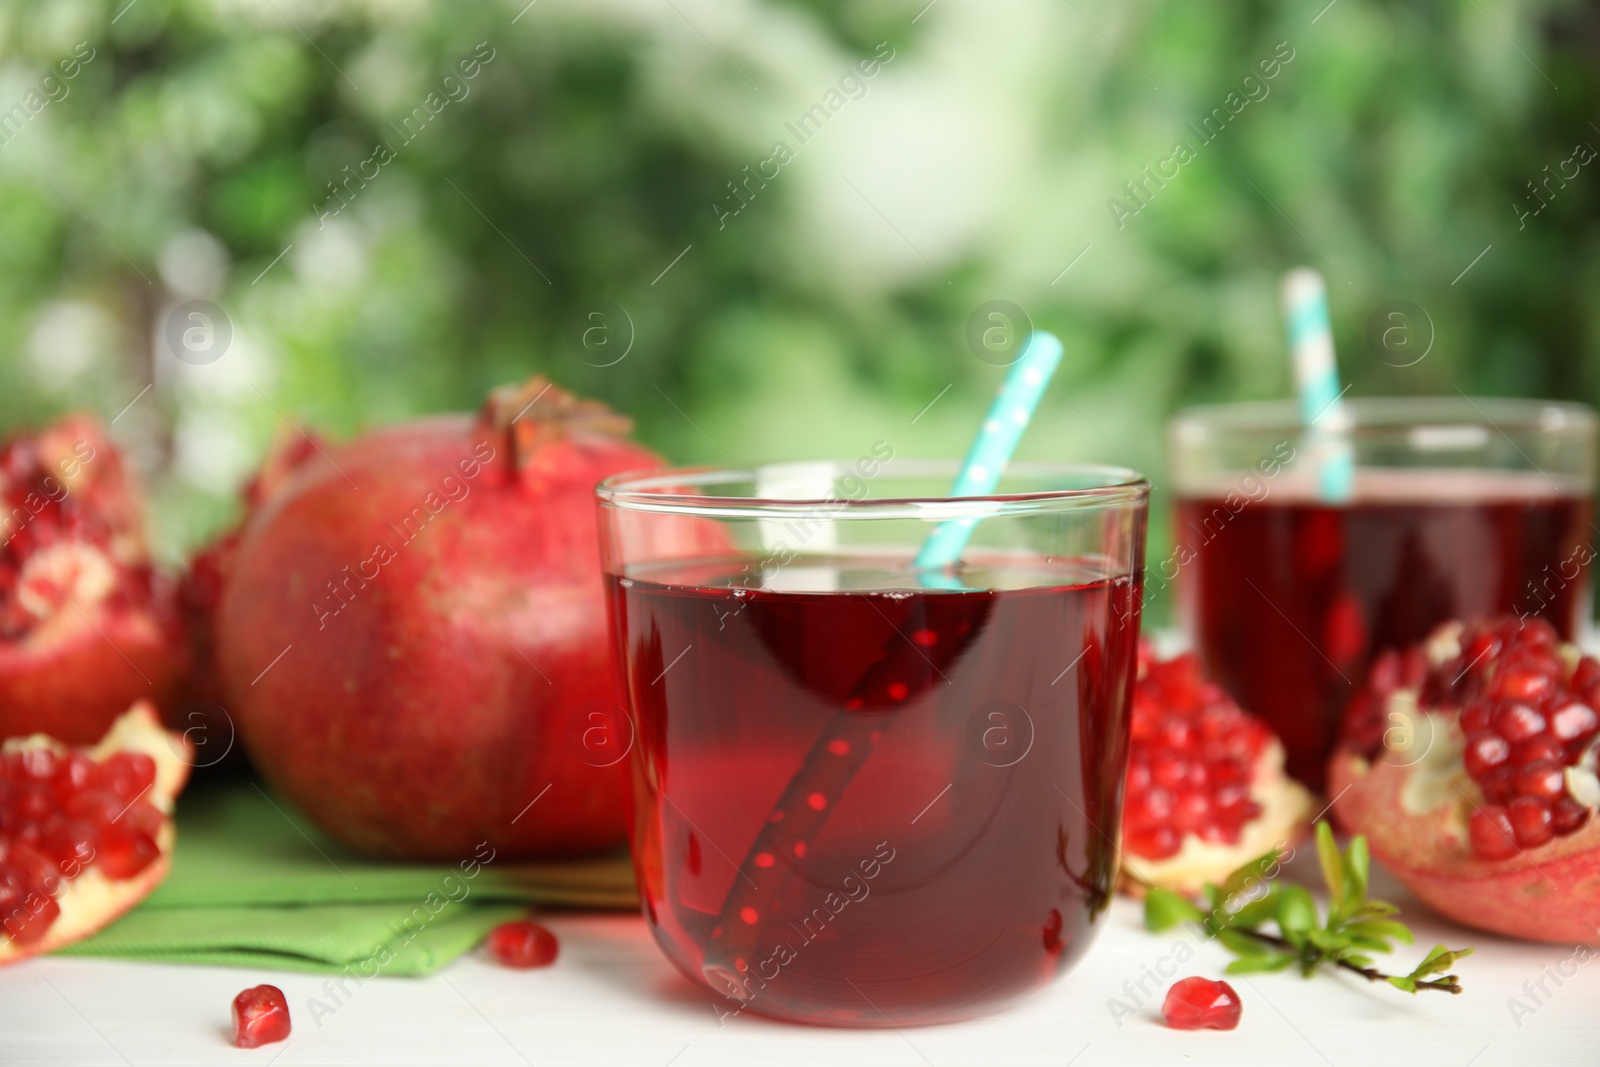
[
  {"x": 1373, "y": 909},
  {"x": 1249, "y": 875},
  {"x": 1357, "y": 959},
  {"x": 1329, "y": 940},
  {"x": 1333, "y": 871},
  {"x": 1381, "y": 929},
  {"x": 1243, "y": 943},
  {"x": 1297, "y": 913},
  {"x": 1439, "y": 961},
  {"x": 1164, "y": 909},
  {"x": 1408, "y": 985},
  {"x": 1257, "y": 912},
  {"x": 1371, "y": 944},
  {"x": 1357, "y": 865},
  {"x": 1261, "y": 964}
]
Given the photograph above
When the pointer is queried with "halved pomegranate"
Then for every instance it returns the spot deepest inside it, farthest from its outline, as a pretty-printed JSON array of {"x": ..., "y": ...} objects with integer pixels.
[
  {"x": 1206, "y": 788},
  {"x": 1469, "y": 761},
  {"x": 85, "y": 833},
  {"x": 87, "y": 626}
]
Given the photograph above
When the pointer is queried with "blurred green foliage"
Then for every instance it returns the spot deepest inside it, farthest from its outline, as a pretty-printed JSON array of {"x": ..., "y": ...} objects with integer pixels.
[{"x": 195, "y": 154}]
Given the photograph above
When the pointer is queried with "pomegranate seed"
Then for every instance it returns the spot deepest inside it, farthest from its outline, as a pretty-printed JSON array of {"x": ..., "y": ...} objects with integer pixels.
[
  {"x": 29, "y": 921},
  {"x": 1518, "y": 722},
  {"x": 1491, "y": 833},
  {"x": 1543, "y": 747},
  {"x": 1574, "y": 721},
  {"x": 1169, "y": 770},
  {"x": 1154, "y": 842},
  {"x": 260, "y": 1017},
  {"x": 522, "y": 944},
  {"x": 124, "y": 854},
  {"x": 1201, "y": 1004},
  {"x": 1475, "y": 717},
  {"x": 128, "y": 774},
  {"x": 1567, "y": 815},
  {"x": 1531, "y": 821},
  {"x": 1499, "y": 784},
  {"x": 1483, "y": 752},
  {"x": 1586, "y": 673},
  {"x": 1538, "y": 633},
  {"x": 1138, "y": 776},
  {"x": 1542, "y": 779}
]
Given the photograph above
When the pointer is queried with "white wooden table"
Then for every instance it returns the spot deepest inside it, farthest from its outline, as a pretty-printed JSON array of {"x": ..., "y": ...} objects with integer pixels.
[{"x": 613, "y": 998}]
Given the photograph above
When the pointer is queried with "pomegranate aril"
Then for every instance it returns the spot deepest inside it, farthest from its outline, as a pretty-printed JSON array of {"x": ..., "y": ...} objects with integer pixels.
[
  {"x": 260, "y": 1017},
  {"x": 1483, "y": 752},
  {"x": 1499, "y": 784},
  {"x": 1542, "y": 779},
  {"x": 1586, "y": 673},
  {"x": 1567, "y": 815},
  {"x": 1169, "y": 771},
  {"x": 1525, "y": 684},
  {"x": 522, "y": 944},
  {"x": 1517, "y": 722},
  {"x": 28, "y": 922},
  {"x": 1574, "y": 721},
  {"x": 1543, "y": 747},
  {"x": 128, "y": 774},
  {"x": 68, "y": 843},
  {"x": 1490, "y": 831},
  {"x": 1201, "y": 1004},
  {"x": 143, "y": 816},
  {"x": 1530, "y": 821},
  {"x": 1154, "y": 842},
  {"x": 1475, "y": 716},
  {"x": 124, "y": 854}
]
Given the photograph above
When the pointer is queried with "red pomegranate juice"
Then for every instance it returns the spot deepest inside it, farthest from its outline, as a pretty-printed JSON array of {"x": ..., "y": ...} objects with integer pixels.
[
  {"x": 1288, "y": 599},
  {"x": 861, "y": 802}
]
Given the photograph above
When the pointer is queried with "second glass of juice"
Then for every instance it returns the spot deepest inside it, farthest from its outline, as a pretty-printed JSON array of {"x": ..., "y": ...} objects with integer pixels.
[
  {"x": 866, "y": 794},
  {"x": 1460, "y": 508}
]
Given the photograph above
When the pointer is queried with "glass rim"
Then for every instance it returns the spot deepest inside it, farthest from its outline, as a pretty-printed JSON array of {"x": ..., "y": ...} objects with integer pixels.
[
  {"x": 1393, "y": 414},
  {"x": 660, "y": 489}
]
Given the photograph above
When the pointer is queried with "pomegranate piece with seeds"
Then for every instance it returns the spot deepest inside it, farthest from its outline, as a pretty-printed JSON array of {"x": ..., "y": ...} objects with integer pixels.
[
  {"x": 1206, "y": 790},
  {"x": 260, "y": 1017},
  {"x": 1201, "y": 1004},
  {"x": 85, "y": 833},
  {"x": 523, "y": 944},
  {"x": 1469, "y": 762},
  {"x": 87, "y": 626}
]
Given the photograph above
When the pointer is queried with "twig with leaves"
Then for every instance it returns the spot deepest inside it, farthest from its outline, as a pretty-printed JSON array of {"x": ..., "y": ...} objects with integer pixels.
[{"x": 1355, "y": 926}]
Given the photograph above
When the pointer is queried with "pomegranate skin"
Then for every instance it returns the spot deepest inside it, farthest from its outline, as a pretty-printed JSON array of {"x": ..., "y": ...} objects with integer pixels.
[
  {"x": 437, "y": 695},
  {"x": 1549, "y": 893},
  {"x": 69, "y": 681}
]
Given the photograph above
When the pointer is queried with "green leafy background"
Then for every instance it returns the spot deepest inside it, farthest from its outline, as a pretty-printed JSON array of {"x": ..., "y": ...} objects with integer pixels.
[{"x": 598, "y": 143}]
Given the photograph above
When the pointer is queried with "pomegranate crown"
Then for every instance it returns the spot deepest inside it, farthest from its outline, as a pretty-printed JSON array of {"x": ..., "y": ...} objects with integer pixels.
[{"x": 538, "y": 412}]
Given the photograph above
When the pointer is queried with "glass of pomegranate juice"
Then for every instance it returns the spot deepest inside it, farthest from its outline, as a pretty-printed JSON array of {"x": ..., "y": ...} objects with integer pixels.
[
  {"x": 1459, "y": 508},
  {"x": 867, "y": 794}
]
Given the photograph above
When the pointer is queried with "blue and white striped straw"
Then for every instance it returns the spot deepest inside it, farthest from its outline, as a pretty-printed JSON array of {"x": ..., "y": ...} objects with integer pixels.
[
  {"x": 1316, "y": 379},
  {"x": 1008, "y": 417}
]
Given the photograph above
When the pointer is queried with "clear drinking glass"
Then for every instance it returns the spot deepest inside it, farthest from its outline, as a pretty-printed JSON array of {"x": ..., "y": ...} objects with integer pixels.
[
  {"x": 867, "y": 795},
  {"x": 1461, "y": 508}
]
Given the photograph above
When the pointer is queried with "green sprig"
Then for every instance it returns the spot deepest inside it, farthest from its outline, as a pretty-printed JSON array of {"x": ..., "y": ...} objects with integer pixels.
[{"x": 1355, "y": 927}]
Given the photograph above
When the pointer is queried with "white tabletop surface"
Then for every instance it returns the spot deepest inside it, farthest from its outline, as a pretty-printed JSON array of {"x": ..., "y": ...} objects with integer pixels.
[{"x": 613, "y": 998}]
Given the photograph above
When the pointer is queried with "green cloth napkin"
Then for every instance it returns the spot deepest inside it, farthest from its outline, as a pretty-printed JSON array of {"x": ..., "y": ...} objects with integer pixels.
[{"x": 254, "y": 885}]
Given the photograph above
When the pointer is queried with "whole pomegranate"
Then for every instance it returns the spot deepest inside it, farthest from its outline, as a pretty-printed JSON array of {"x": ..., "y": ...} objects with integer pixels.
[
  {"x": 1469, "y": 761},
  {"x": 412, "y": 633},
  {"x": 1206, "y": 788},
  {"x": 87, "y": 626}
]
